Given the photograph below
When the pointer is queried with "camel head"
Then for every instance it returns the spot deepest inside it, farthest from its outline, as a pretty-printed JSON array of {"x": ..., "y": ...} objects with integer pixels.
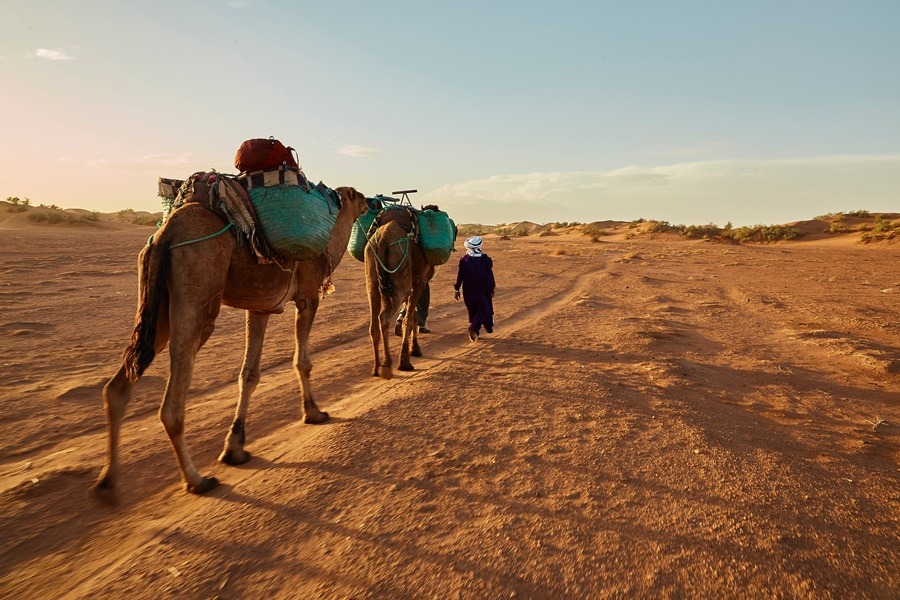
[{"x": 353, "y": 201}]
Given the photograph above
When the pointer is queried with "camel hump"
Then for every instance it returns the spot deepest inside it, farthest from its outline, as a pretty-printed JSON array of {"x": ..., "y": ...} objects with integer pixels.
[{"x": 401, "y": 215}]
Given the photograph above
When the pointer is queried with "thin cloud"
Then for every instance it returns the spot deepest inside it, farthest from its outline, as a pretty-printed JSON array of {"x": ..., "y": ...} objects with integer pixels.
[
  {"x": 136, "y": 163},
  {"x": 56, "y": 54},
  {"x": 357, "y": 151},
  {"x": 741, "y": 191}
]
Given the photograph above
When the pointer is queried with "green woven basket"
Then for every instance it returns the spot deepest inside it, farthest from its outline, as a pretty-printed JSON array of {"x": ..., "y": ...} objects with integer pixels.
[
  {"x": 296, "y": 224},
  {"x": 436, "y": 236},
  {"x": 357, "y": 244}
]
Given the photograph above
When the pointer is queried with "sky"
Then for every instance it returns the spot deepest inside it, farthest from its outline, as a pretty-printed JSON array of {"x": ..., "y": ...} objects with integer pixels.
[{"x": 691, "y": 112}]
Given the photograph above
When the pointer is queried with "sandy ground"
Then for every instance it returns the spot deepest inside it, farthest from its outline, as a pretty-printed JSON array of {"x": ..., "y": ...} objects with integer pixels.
[{"x": 653, "y": 417}]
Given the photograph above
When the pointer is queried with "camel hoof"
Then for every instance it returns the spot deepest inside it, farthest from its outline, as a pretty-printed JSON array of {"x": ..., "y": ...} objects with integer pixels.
[
  {"x": 416, "y": 352},
  {"x": 105, "y": 492},
  {"x": 206, "y": 484},
  {"x": 234, "y": 457},
  {"x": 316, "y": 419},
  {"x": 385, "y": 373},
  {"x": 406, "y": 368}
]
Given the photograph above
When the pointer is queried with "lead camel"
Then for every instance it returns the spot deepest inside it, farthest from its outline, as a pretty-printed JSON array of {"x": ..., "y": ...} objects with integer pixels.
[{"x": 181, "y": 290}]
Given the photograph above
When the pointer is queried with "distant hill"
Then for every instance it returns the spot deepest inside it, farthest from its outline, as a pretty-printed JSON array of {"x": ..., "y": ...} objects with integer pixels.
[
  {"x": 868, "y": 227},
  {"x": 13, "y": 214}
]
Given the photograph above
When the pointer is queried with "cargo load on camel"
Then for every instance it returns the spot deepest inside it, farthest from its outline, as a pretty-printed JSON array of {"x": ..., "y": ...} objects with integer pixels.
[
  {"x": 271, "y": 202},
  {"x": 430, "y": 227}
]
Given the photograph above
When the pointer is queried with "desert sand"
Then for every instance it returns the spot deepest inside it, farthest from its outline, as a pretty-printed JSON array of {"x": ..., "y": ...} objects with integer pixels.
[{"x": 653, "y": 417}]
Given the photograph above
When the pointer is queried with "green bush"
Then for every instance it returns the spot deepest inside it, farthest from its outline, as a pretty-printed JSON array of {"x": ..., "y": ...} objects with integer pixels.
[
  {"x": 764, "y": 233},
  {"x": 593, "y": 231},
  {"x": 882, "y": 230},
  {"x": 151, "y": 220},
  {"x": 472, "y": 229},
  {"x": 701, "y": 231}
]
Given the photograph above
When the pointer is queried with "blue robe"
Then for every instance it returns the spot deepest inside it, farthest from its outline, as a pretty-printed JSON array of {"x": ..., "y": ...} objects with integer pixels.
[{"x": 476, "y": 277}]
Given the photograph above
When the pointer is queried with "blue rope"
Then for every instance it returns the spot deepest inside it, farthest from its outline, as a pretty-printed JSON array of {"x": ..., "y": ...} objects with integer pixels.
[
  {"x": 203, "y": 239},
  {"x": 405, "y": 241}
]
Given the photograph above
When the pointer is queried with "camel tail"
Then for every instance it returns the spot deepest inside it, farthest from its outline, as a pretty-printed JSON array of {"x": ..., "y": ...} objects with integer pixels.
[{"x": 153, "y": 265}]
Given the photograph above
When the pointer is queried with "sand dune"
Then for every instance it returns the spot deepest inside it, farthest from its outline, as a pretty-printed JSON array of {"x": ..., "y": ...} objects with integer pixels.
[{"x": 654, "y": 417}]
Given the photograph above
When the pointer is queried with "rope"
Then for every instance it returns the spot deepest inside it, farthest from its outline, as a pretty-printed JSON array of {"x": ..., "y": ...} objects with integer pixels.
[
  {"x": 203, "y": 239},
  {"x": 405, "y": 241}
]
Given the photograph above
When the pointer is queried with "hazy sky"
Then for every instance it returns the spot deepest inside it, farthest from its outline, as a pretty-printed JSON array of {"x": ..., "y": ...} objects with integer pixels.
[{"x": 691, "y": 112}]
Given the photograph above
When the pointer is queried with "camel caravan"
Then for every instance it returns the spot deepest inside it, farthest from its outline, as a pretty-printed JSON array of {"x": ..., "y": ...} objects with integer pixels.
[{"x": 256, "y": 241}]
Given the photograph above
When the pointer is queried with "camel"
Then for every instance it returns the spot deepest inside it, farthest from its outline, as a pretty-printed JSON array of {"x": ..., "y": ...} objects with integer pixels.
[
  {"x": 396, "y": 272},
  {"x": 181, "y": 289}
]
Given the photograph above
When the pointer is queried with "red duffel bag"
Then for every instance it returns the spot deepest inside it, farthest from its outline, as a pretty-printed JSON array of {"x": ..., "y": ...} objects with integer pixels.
[{"x": 259, "y": 154}]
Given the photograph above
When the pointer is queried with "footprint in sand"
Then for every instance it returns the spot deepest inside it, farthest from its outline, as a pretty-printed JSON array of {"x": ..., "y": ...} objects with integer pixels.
[{"x": 25, "y": 328}]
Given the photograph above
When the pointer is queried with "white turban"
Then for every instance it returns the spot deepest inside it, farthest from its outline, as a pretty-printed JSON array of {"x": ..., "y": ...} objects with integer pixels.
[{"x": 473, "y": 246}]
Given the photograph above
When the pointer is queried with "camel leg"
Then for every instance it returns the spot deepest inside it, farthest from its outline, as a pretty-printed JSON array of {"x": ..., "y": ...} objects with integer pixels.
[
  {"x": 234, "y": 453},
  {"x": 303, "y": 320},
  {"x": 384, "y": 324},
  {"x": 409, "y": 324},
  {"x": 188, "y": 336},
  {"x": 375, "y": 330},
  {"x": 116, "y": 395},
  {"x": 416, "y": 349},
  {"x": 410, "y": 327}
]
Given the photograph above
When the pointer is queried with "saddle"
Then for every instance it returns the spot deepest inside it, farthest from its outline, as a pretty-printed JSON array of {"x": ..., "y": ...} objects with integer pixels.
[{"x": 404, "y": 216}]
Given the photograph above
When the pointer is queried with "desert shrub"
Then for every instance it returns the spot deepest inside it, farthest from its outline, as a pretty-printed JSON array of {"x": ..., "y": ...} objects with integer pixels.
[
  {"x": 659, "y": 226},
  {"x": 882, "y": 230},
  {"x": 93, "y": 217},
  {"x": 37, "y": 217},
  {"x": 881, "y": 224},
  {"x": 858, "y": 213},
  {"x": 125, "y": 213},
  {"x": 636, "y": 222},
  {"x": 471, "y": 229},
  {"x": 826, "y": 216},
  {"x": 701, "y": 231},
  {"x": 837, "y": 228},
  {"x": 765, "y": 233},
  {"x": 14, "y": 200},
  {"x": 150, "y": 220},
  {"x": 16, "y": 208},
  {"x": 593, "y": 231}
]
